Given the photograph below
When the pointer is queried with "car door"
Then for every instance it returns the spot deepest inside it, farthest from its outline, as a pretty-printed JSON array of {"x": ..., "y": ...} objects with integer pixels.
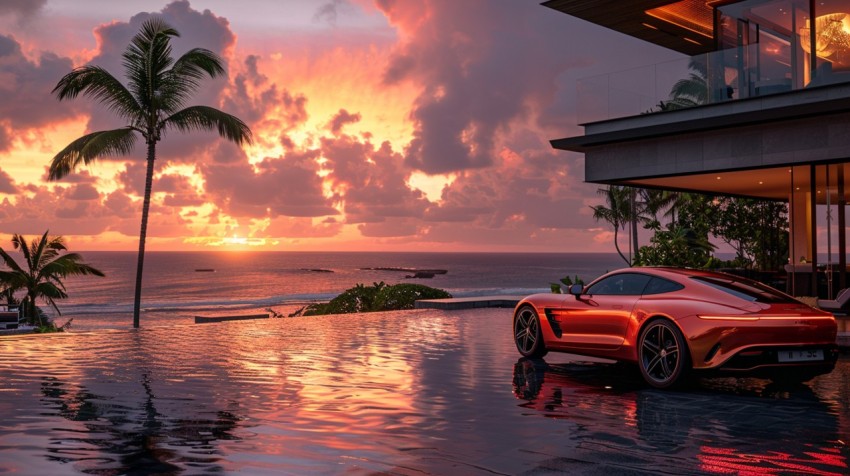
[{"x": 599, "y": 317}]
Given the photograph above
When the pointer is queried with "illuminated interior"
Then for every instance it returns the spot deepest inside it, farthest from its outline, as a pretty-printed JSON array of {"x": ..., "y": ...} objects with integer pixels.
[{"x": 816, "y": 195}]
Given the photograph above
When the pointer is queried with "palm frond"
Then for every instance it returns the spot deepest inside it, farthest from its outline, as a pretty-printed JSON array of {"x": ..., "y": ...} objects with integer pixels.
[
  {"x": 9, "y": 261},
  {"x": 69, "y": 264},
  {"x": 146, "y": 58},
  {"x": 96, "y": 83},
  {"x": 38, "y": 256},
  {"x": 11, "y": 280},
  {"x": 205, "y": 118},
  {"x": 20, "y": 242},
  {"x": 49, "y": 292},
  {"x": 90, "y": 147},
  {"x": 184, "y": 78}
]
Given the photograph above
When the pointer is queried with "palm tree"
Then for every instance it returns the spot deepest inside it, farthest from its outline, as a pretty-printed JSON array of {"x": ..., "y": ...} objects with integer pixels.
[
  {"x": 617, "y": 212},
  {"x": 693, "y": 90},
  {"x": 152, "y": 103},
  {"x": 42, "y": 273}
]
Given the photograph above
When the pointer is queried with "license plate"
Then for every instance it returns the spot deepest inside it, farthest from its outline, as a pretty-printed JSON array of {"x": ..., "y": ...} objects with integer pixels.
[{"x": 800, "y": 355}]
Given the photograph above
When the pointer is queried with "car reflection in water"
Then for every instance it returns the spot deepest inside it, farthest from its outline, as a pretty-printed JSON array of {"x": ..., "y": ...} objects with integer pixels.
[{"x": 719, "y": 426}]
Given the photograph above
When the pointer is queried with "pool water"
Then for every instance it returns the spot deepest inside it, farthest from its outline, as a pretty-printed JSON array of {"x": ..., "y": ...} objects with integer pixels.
[{"x": 412, "y": 392}]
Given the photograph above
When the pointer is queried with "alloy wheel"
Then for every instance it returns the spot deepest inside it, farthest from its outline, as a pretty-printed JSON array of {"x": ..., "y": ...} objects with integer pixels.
[
  {"x": 662, "y": 354},
  {"x": 527, "y": 335}
]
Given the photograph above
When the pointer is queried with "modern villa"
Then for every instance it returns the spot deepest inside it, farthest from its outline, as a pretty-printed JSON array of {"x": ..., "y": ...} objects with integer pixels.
[{"x": 774, "y": 123}]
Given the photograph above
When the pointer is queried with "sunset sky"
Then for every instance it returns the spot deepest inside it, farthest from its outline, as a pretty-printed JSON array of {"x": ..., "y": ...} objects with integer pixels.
[{"x": 378, "y": 125}]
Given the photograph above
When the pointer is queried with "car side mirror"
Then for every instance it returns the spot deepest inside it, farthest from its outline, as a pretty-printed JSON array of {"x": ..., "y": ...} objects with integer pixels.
[{"x": 577, "y": 290}]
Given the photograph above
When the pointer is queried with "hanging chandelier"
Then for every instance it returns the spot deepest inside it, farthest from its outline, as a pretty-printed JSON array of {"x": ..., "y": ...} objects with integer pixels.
[{"x": 832, "y": 34}]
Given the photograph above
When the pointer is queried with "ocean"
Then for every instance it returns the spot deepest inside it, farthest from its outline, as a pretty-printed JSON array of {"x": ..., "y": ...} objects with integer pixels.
[{"x": 180, "y": 285}]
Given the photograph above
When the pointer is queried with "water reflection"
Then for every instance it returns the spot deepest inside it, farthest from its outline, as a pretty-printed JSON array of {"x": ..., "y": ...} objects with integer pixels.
[
  {"x": 420, "y": 392},
  {"x": 716, "y": 426},
  {"x": 117, "y": 438}
]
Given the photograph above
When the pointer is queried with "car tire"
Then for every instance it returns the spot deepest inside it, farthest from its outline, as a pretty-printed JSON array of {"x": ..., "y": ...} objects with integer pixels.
[
  {"x": 662, "y": 354},
  {"x": 528, "y": 336}
]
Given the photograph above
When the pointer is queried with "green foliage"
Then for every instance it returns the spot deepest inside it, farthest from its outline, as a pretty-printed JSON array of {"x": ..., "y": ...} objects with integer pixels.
[
  {"x": 378, "y": 297},
  {"x": 403, "y": 296},
  {"x": 677, "y": 246},
  {"x": 756, "y": 229},
  {"x": 567, "y": 282}
]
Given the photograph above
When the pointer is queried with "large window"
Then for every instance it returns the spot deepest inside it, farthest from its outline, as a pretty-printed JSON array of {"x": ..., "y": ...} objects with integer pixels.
[{"x": 781, "y": 45}]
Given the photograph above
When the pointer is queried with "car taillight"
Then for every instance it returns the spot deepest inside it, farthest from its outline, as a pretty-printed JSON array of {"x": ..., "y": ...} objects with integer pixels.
[{"x": 728, "y": 318}]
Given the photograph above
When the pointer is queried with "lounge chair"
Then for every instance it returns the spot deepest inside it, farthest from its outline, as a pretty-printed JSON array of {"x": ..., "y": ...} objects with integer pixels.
[
  {"x": 839, "y": 305},
  {"x": 9, "y": 319}
]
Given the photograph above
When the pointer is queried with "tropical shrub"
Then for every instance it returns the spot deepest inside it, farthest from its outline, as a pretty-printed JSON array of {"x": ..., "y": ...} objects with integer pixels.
[
  {"x": 403, "y": 296},
  {"x": 378, "y": 297}
]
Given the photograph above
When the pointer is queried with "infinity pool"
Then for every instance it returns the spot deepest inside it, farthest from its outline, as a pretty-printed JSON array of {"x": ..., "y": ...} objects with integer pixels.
[{"x": 409, "y": 392}]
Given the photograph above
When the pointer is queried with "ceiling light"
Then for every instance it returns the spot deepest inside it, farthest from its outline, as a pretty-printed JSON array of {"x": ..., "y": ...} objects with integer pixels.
[{"x": 832, "y": 33}]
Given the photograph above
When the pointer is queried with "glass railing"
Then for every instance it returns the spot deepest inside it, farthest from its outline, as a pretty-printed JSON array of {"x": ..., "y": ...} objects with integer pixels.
[{"x": 726, "y": 75}]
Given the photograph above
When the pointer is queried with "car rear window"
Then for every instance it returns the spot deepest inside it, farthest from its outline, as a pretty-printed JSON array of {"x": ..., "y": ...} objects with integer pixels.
[
  {"x": 748, "y": 290},
  {"x": 661, "y": 286}
]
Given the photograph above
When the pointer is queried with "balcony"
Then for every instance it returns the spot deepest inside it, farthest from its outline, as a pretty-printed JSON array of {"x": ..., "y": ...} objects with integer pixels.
[{"x": 734, "y": 74}]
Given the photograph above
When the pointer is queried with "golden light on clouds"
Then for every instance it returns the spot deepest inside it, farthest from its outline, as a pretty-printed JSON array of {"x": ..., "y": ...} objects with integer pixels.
[{"x": 390, "y": 126}]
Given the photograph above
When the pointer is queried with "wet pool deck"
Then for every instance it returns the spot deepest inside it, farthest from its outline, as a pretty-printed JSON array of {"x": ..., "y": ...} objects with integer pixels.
[
  {"x": 455, "y": 304},
  {"x": 400, "y": 393}
]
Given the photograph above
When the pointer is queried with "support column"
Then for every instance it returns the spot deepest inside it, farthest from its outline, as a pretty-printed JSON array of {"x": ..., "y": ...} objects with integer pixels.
[
  {"x": 813, "y": 227},
  {"x": 842, "y": 232}
]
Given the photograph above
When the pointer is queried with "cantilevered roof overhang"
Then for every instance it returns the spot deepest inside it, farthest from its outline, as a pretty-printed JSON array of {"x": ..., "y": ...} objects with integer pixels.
[
  {"x": 686, "y": 149},
  {"x": 634, "y": 18}
]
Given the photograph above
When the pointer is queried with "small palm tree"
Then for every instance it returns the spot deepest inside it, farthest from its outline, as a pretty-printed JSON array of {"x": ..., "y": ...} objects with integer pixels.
[
  {"x": 42, "y": 272},
  {"x": 617, "y": 212},
  {"x": 152, "y": 103}
]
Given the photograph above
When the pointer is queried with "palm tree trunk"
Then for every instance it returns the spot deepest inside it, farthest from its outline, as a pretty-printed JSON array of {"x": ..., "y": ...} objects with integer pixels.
[
  {"x": 33, "y": 311},
  {"x": 617, "y": 246},
  {"x": 143, "y": 232},
  {"x": 634, "y": 220}
]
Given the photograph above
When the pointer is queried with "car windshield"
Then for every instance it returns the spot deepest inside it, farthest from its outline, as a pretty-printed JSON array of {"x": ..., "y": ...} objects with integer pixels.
[{"x": 748, "y": 290}]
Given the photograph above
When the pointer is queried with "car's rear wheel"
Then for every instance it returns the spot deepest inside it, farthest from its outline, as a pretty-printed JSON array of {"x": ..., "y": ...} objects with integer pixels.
[
  {"x": 527, "y": 334},
  {"x": 662, "y": 354}
]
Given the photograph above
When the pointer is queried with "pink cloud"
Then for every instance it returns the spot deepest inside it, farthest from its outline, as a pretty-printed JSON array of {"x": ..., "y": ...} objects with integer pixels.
[
  {"x": 83, "y": 191},
  {"x": 287, "y": 185},
  {"x": 25, "y": 102},
  {"x": 7, "y": 185},
  {"x": 342, "y": 118},
  {"x": 22, "y": 8}
]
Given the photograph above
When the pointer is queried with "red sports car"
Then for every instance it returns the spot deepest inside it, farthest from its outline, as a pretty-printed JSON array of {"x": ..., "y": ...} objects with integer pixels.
[{"x": 670, "y": 321}]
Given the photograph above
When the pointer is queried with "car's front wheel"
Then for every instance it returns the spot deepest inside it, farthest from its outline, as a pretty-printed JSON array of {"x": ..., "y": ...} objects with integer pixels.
[
  {"x": 527, "y": 334},
  {"x": 662, "y": 354}
]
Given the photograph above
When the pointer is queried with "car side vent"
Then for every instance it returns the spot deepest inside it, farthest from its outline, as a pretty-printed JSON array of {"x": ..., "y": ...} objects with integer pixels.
[
  {"x": 553, "y": 323},
  {"x": 712, "y": 352}
]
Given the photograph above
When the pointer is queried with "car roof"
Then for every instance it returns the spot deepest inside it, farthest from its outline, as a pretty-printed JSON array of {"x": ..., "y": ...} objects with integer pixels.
[{"x": 672, "y": 272}]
